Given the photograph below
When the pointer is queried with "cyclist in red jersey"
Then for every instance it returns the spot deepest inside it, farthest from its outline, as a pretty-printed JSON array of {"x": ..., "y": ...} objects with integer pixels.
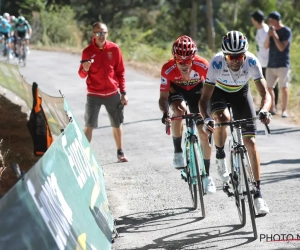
[{"x": 182, "y": 80}]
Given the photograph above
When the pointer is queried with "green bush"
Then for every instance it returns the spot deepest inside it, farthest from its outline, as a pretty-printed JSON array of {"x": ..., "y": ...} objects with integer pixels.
[{"x": 57, "y": 25}]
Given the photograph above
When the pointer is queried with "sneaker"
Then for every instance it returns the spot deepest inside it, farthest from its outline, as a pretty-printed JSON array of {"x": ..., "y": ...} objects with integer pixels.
[
  {"x": 273, "y": 112},
  {"x": 284, "y": 114},
  {"x": 178, "y": 161},
  {"x": 27, "y": 51},
  {"x": 222, "y": 169},
  {"x": 122, "y": 158},
  {"x": 209, "y": 185},
  {"x": 10, "y": 56},
  {"x": 261, "y": 206}
]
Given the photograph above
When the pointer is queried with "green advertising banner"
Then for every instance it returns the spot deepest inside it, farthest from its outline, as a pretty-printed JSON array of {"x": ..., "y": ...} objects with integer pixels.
[{"x": 61, "y": 203}]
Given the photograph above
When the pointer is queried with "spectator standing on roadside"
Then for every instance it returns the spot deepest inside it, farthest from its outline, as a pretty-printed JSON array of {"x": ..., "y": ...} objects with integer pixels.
[
  {"x": 102, "y": 64},
  {"x": 278, "y": 40},
  {"x": 257, "y": 19}
]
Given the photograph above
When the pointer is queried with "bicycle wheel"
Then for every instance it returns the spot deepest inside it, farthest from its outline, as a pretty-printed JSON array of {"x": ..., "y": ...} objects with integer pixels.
[
  {"x": 192, "y": 187},
  {"x": 197, "y": 157},
  {"x": 249, "y": 195},
  {"x": 24, "y": 55},
  {"x": 239, "y": 200}
]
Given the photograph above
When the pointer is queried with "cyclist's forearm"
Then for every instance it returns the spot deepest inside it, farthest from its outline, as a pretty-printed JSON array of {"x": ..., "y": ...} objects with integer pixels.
[
  {"x": 203, "y": 105},
  {"x": 264, "y": 93},
  {"x": 266, "y": 102},
  {"x": 204, "y": 100},
  {"x": 163, "y": 105}
]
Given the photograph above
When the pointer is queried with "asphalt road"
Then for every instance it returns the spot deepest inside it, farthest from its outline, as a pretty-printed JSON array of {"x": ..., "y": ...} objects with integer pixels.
[{"x": 147, "y": 196}]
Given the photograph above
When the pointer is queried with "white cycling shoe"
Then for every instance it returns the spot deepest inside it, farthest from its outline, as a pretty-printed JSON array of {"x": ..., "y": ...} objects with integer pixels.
[
  {"x": 209, "y": 185},
  {"x": 178, "y": 161},
  {"x": 261, "y": 206},
  {"x": 222, "y": 169}
]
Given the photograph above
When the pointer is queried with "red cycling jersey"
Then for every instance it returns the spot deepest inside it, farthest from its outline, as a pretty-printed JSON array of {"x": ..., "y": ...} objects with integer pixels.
[
  {"x": 106, "y": 73},
  {"x": 171, "y": 74}
]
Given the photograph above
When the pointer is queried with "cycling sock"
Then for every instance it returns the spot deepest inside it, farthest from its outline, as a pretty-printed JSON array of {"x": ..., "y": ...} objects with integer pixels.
[
  {"x": 177, "y": 144},
  {"x": 258, "y": 193},
  {"x": 220, "y": 153},
  {"x": 207, "y": 165},
  {"x": 120, "y": 152}
]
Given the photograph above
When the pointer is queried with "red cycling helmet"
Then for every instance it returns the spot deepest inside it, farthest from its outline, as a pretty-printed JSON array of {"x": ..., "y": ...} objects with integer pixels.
[{"x": 184, "y": 48}]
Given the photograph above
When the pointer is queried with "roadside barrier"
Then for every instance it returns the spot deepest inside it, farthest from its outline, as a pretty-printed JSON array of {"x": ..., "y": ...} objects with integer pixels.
[{"x": 61, "y": 202}]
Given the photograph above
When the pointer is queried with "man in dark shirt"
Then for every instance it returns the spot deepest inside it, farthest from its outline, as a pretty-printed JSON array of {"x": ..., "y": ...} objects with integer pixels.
[{"x": 278, "y": 41}]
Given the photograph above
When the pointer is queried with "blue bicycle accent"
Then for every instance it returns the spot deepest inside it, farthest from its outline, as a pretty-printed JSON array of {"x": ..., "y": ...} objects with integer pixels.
[{"x": 194, "y": 170}]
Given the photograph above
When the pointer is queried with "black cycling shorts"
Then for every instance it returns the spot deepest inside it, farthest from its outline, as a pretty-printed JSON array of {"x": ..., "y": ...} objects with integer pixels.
[
  {"x": 192, "y": 98},
  {"x": 21, "y": 34},
  {"x": 6, "y": 35},
  {"x": 242, "y": 106}
]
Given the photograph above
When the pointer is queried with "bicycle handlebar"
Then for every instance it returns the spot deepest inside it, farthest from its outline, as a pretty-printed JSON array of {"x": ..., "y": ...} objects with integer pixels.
[
  {"x": 181, "y": 117},
  {"x": 237, "y": 122}
]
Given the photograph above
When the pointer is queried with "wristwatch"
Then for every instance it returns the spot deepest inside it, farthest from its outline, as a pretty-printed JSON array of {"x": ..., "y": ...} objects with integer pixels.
[{"x": 123, "y": 93}]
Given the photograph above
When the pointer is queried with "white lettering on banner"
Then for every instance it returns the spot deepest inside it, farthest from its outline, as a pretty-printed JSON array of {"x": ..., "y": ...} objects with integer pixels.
[
  {"x": 54, "y": 209},
  {"x": 79, "y": 162}
]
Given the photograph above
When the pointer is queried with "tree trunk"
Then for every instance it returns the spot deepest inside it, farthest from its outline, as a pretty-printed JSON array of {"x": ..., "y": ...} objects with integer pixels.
[
  {"x": 235, "y": 14},
  {"x": 193, "y": 21},
  {"x": 210, "y": 25}
]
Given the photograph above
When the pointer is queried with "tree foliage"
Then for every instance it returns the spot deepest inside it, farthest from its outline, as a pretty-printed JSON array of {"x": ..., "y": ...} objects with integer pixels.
[{"x": 158, "y": 22}]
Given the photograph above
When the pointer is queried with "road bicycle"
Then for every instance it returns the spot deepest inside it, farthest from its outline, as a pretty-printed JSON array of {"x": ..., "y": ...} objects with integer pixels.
[
  {"x": 194, "y": 170},
  {"x": 5, "y": 49},
  {"x": 22, "y": 56},
  {"x": 242, "y": 180}
]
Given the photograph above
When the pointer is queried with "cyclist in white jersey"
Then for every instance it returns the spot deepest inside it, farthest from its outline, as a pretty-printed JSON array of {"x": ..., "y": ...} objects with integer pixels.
[{"x": 227, "y": 82}]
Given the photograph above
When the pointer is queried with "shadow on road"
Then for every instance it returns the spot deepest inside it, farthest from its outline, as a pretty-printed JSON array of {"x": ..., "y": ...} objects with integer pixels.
[
  {"x": 129, "y": 123},
  {"x": 280, "y": 131},
  {"x": 187, "y": 238},
  {"x": 281, "y": 175},
  {"x": 142, "y": 220},
  {"x": 282, "y": 161}
]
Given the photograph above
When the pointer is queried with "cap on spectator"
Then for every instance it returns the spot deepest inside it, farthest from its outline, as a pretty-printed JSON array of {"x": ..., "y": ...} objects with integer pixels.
[
  {"x": 275, "y": 15},
  {"x": 258, "y": 15}
]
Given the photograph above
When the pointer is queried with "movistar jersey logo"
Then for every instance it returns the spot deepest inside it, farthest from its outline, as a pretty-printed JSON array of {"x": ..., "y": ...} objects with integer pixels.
[
  {"x": 217, "y": 65},
  {"x": 252, "y": 62}
]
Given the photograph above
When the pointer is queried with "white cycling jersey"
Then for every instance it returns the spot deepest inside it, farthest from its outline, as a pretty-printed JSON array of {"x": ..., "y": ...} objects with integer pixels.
[{"x": 221, "y": 76}]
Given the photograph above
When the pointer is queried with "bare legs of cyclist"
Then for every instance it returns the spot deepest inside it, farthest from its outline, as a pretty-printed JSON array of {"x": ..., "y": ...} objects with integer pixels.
[
  {"x": 27, "y": 45},
  {"x": 19, "y": 46},
  {"x": 179, "y": 108},
  {"x": 220, "y": 136}
]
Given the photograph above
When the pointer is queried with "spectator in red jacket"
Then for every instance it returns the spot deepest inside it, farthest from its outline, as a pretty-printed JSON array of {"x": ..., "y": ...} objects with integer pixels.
[{"x": 102, "y": 66}]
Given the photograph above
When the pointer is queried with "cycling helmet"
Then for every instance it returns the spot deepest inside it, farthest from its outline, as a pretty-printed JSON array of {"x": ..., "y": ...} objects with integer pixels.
[
  {"x": 234, "y": 43},
  {"x": 4, "y": 21},
  {"x": 184, "y": 47},
  {"x": 6, "y": 16},
  {"x": 12, "y": 19},
  {"x": 21, "y": 19}
]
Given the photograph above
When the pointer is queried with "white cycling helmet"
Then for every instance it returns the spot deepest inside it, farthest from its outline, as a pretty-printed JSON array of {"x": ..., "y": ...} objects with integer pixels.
[
  {"x": 234, "y": 43},
  {"x": 6, "y": 16}
]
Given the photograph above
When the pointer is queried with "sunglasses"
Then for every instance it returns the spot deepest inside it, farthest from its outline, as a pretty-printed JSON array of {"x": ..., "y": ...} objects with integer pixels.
[
  {"x": 235, "y": 57},
  {"x": 184, "y": 62},
  {"x": 101, "y": 33}
]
